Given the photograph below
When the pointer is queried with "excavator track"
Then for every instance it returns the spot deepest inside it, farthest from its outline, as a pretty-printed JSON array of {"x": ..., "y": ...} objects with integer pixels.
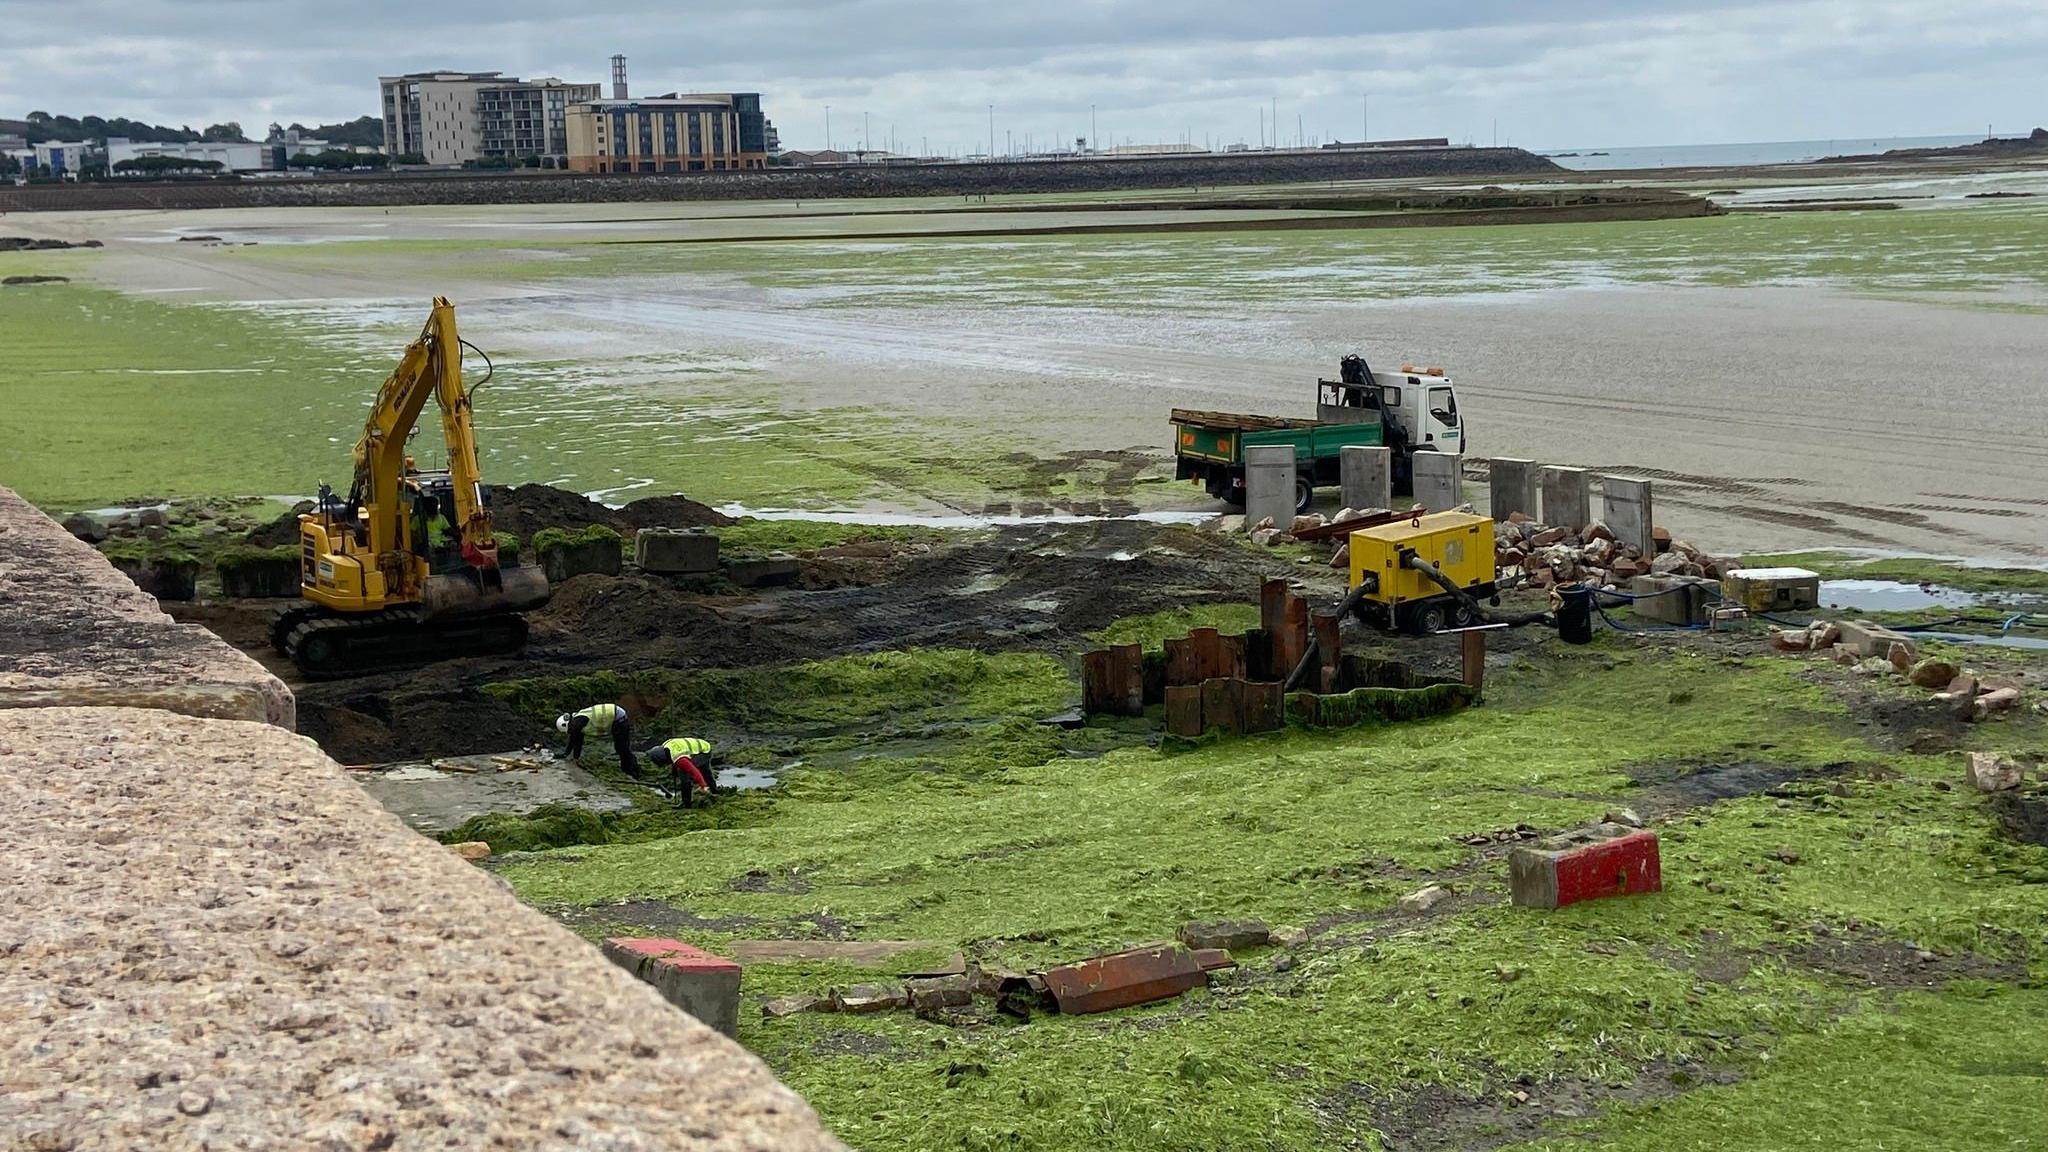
[{"x": 326, "y": 645}]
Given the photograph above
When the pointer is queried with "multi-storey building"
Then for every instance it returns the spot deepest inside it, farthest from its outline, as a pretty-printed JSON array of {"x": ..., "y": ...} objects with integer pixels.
[
  {"x": 456, "y": 117},
  {"x": 528, "y": 119},
  {"x": 702, "y": 132}
]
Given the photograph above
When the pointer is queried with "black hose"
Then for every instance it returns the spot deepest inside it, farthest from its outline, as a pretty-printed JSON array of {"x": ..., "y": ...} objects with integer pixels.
[
  {"x": 490, "y": 369},
  {"x": 1515, "y": 620}
]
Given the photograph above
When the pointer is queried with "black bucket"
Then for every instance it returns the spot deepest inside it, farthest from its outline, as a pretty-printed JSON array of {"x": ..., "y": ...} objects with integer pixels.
[{"x": 1575, "y": 614}]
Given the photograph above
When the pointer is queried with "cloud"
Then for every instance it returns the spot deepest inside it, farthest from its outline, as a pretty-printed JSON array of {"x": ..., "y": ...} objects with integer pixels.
[{"x": 1549, "y": 74}]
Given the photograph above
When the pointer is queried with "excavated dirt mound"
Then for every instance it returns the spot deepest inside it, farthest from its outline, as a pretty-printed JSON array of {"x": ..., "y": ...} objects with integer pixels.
[
  {"x": 636, "y": 621},
  {"x": 527, "y": 508}
]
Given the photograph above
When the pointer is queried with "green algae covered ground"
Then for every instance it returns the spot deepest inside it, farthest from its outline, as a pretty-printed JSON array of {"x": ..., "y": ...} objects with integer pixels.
[{"x": 1847, "y": 947}]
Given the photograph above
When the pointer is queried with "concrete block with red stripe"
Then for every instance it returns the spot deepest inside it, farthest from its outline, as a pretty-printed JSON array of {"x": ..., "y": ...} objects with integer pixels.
[
  {"x": 705, "y": 986},
  {"x": 1585, "y": 864}
]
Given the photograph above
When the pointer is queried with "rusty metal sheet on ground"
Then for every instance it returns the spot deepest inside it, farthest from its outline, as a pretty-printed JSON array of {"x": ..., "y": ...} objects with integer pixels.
[{"x": 1122, "y": 979}]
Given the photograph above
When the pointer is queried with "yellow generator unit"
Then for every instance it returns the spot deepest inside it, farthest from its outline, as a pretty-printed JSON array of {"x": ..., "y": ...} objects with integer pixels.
[{"x": 1399, "y": 571}]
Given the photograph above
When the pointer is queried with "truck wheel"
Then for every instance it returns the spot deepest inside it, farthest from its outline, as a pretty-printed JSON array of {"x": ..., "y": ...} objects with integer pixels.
[{"x": 1304, "y": 495}]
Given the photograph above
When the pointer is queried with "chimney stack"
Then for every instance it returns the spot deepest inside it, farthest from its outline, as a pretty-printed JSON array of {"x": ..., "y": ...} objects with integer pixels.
[{"x": 618, "y": 78}]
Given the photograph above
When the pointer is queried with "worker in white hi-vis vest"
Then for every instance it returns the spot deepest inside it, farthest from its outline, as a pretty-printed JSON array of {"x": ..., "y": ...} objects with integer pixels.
[{"x": 601, "y": 720}]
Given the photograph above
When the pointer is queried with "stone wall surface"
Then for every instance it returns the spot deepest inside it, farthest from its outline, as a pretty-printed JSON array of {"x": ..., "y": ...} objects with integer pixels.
[
  {"x": 212, "y": 938},
  {"x": 73, "y": 630}
]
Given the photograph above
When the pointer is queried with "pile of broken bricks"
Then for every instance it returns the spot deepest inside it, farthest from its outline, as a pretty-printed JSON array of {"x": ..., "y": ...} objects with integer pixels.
[
  {"x": 1874, "y": 650},
  {"x": 1592, "y": 556}
]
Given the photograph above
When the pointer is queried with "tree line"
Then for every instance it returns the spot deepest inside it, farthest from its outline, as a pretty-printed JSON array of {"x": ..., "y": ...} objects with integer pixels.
[{"x": 42, "y": 126}]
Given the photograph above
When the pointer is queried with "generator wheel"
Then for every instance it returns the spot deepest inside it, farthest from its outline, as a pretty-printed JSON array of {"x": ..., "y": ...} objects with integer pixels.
[{"x": 1428, "y": 619}]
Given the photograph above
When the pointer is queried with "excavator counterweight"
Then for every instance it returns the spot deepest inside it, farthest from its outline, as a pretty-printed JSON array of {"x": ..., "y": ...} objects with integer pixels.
[{"x": 378, "y": 589}]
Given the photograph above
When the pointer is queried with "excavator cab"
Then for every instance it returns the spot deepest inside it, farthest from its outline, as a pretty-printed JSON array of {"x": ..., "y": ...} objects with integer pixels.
[{"x": 374, "y": 595}]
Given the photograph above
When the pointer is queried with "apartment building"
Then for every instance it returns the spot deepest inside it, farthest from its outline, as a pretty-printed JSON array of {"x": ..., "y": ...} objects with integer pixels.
[
  {"x": 700, "y": 132},
  {"x": 451, "y": 118}
]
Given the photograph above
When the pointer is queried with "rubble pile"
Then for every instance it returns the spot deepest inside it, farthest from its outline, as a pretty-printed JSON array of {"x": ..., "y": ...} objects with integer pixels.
[
  {"x": 1873, "y": 650},
  {"x": 1592, "y": 556}
]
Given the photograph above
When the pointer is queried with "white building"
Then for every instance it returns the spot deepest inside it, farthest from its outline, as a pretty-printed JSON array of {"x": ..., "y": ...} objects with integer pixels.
[
  {"x": 231, "y": 157},
  {"x": 66, "y": 158}
]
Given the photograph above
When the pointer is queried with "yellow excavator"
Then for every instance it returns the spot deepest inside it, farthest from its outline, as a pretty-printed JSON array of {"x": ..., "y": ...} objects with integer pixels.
[{"x": 377, "y": 589}]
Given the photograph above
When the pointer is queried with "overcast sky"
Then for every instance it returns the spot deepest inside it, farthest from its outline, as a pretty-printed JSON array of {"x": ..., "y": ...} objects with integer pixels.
[{"x": 1550, "y": 74}]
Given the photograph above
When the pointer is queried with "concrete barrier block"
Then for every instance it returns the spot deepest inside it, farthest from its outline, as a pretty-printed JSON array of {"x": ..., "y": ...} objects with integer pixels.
[
  {"x": 1565, "y": 498},
  {"x": 1672, "y": 599},
  {"x": 592, "y": 551},
  {"x": 1511, "y": 487},
  {"x": 1625, "y": 506},
  {"x": 1586, "y": 864},
  {"x": 1367, "y": 476},
  {"x": 762, "y": 571},
  {"x": 1269, "y": 486},
  {"x": 705, "y": 986},
  {"x": 676, "y": 551},
  {"x": 1439, "y": 480}
]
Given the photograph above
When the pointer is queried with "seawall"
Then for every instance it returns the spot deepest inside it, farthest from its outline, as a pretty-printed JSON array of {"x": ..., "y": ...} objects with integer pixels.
[{"x": 1094, "y": 175}]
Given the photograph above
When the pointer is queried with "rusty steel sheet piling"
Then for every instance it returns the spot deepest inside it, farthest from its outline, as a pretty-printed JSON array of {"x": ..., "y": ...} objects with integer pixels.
[{"x": 1122, "y": 979}]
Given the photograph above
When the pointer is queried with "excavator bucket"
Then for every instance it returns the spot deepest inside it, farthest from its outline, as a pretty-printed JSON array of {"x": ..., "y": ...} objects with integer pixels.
[{"x": 469, "y": 594}]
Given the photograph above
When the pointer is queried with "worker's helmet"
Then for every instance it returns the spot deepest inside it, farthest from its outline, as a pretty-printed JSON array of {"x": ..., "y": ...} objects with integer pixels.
[
  {"x": 659, "y": 755},
  {"x": 562, "y": 722}
]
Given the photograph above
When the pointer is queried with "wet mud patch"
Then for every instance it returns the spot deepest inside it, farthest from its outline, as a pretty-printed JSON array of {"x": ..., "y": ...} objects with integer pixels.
[
  {"x": 1908, "y": 722},
  {"x": 647, "y": 917},
  {"x": 1503, "y": 1111},
  {"x": 782, "y": 882},
  {"x": 1876, "y": 961},
  {"x": 847, "y": 1042},
  {"x": 1666, "y": 788},
  {"x": 660, "y": 918},
  {"x": 2023, "y": 815}
]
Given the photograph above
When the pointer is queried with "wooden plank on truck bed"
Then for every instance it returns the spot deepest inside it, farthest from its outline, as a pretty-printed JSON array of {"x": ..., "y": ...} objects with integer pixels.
[{"x": 1238, "y": 420}]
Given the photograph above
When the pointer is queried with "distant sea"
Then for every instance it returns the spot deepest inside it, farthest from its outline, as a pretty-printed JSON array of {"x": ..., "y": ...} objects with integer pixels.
[{"x": 1743, "y": 155}]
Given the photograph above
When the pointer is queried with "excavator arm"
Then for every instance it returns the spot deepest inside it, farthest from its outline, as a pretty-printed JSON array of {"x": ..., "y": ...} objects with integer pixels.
[{"x": 430, "y": 367}]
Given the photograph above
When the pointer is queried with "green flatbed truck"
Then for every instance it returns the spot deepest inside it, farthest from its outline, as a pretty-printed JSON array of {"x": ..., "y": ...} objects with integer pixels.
[{"x": 1415, "y": 410}]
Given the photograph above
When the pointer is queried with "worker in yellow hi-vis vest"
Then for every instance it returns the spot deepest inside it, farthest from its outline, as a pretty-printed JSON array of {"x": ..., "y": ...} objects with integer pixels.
[
  {"x": 688, "y": 760},
  {"x": 601, "y": 720}
]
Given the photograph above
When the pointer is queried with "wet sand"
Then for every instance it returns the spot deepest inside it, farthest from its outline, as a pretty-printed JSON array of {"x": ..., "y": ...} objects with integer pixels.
[{"x": 1776, "y": 418}]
